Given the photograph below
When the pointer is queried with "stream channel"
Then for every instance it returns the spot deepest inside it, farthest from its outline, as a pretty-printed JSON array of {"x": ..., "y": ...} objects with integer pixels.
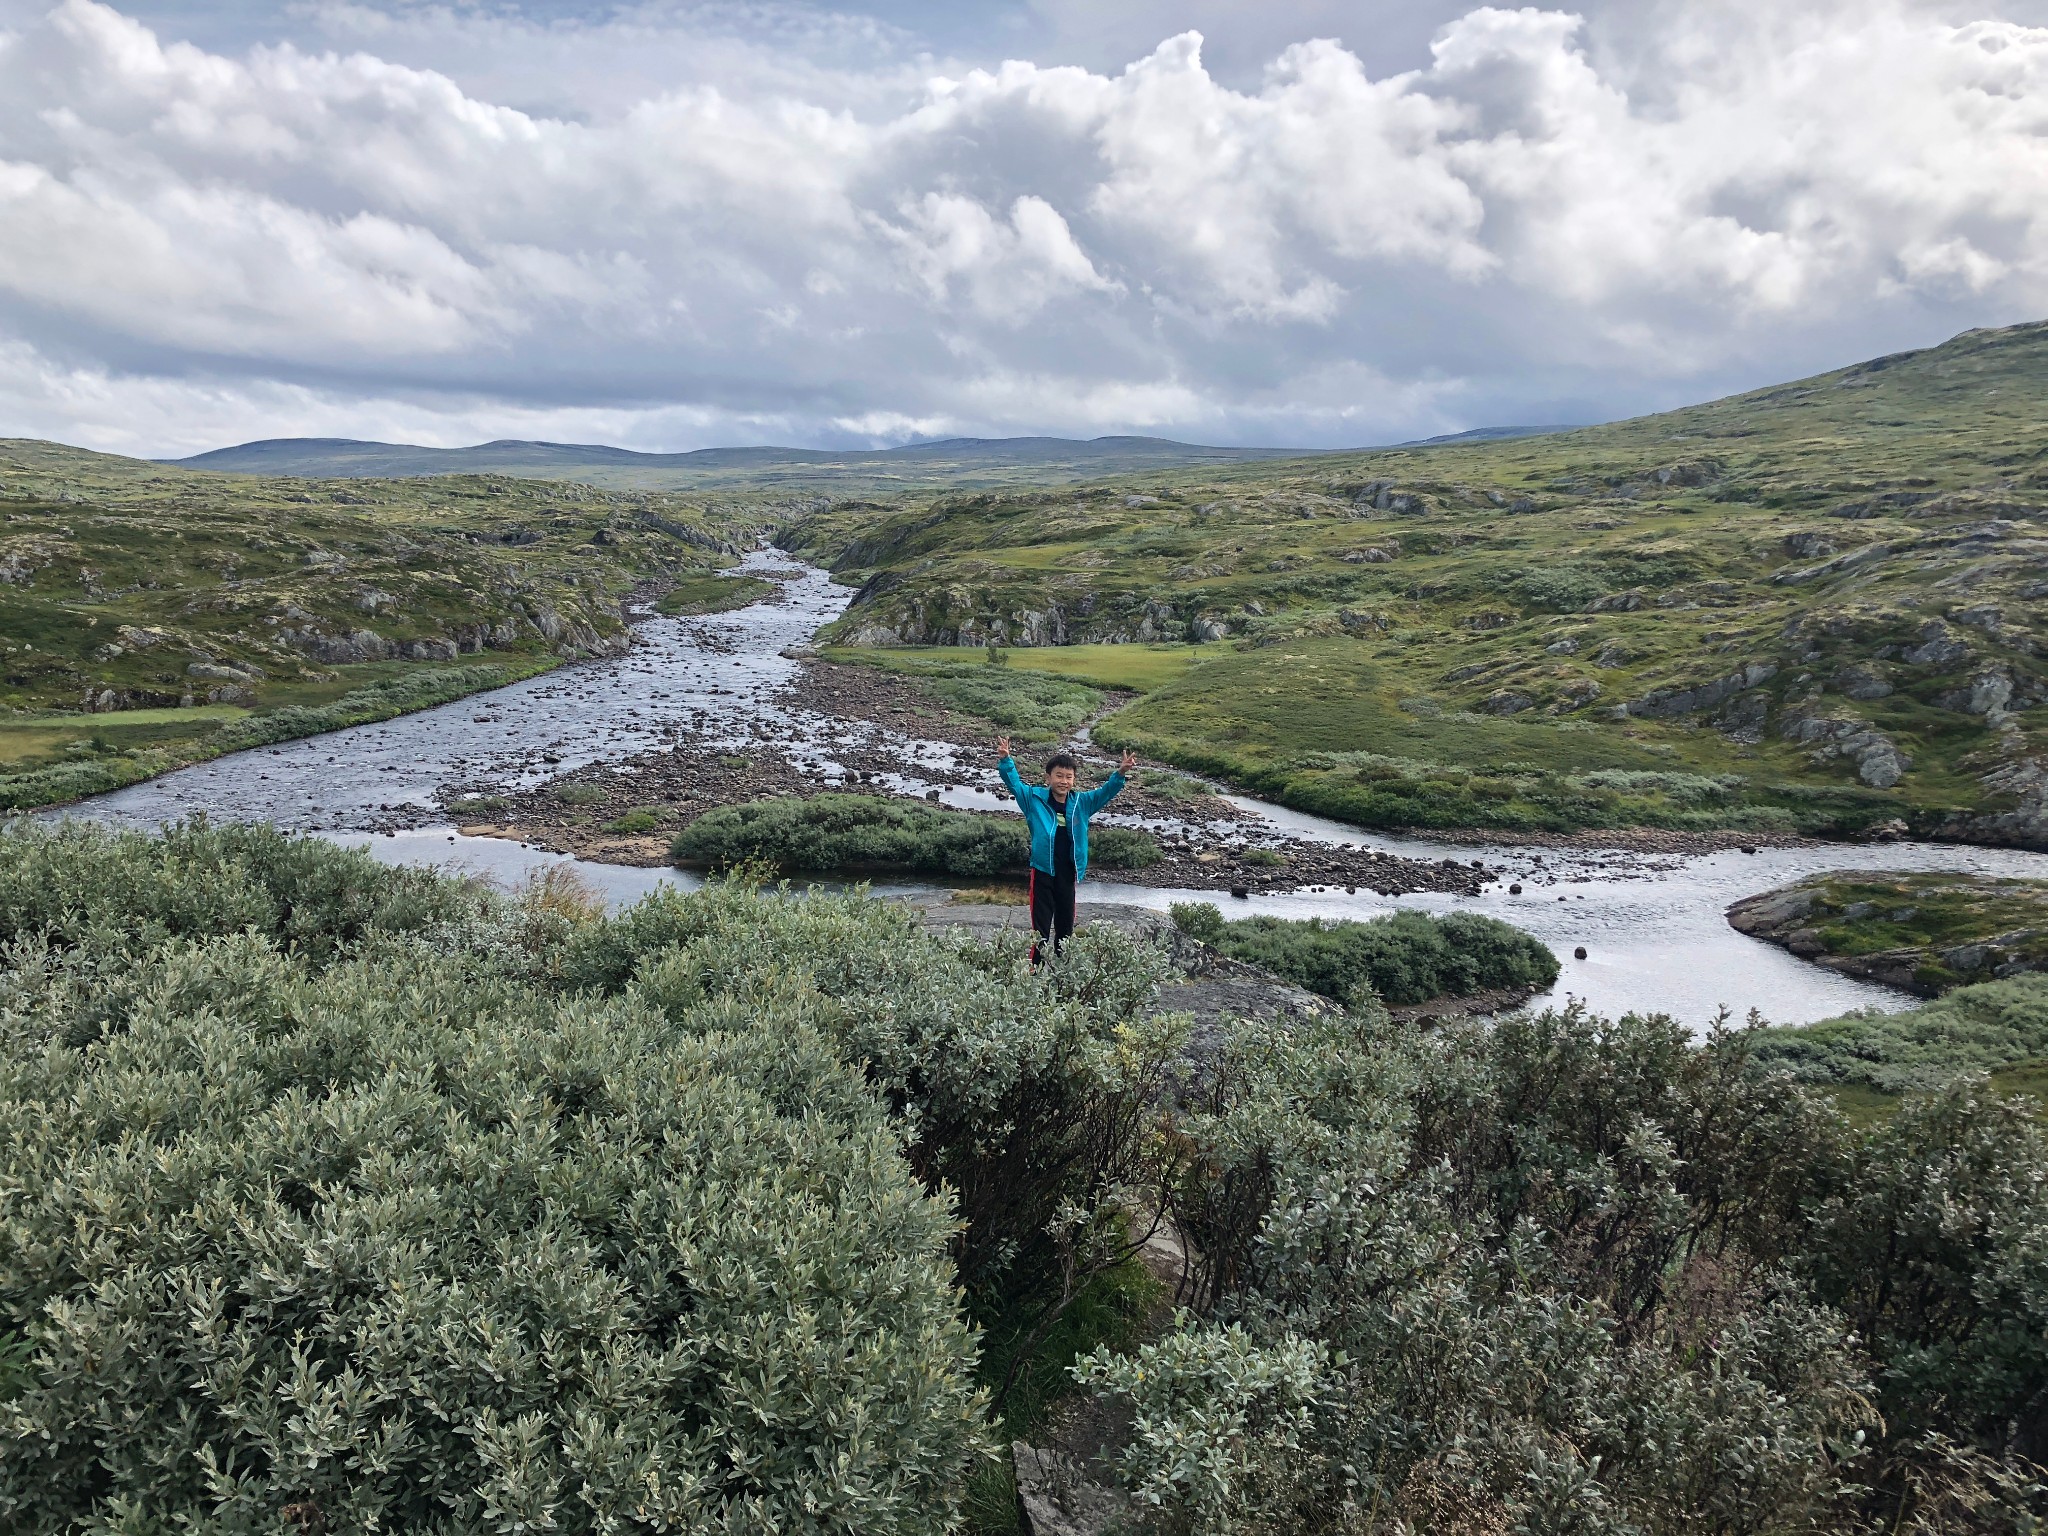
[{"x": 1652, "y": 924}]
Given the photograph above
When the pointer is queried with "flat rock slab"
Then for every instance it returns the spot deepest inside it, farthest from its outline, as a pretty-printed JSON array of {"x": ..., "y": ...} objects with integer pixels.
[{"x": 1059, "y": 1496}]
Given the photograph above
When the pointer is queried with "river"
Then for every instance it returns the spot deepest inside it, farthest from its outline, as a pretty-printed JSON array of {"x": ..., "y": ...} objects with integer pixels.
[{"x": 1653, "y": 927}]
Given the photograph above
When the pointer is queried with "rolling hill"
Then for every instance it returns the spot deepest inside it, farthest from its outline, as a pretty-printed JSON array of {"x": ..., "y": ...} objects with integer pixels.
[
  {"x": 1817, "y": 607},
  {"x": 953, "y": 463},
  {"x": 151, "y": 615}
]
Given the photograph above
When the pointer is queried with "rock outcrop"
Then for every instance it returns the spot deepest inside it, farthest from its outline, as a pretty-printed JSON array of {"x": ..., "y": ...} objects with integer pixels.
[{"x": 1949, "y": 929}]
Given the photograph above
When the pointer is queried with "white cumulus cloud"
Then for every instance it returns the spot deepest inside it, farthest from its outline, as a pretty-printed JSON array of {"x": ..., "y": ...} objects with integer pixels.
[{"x": 680, "y": 225}]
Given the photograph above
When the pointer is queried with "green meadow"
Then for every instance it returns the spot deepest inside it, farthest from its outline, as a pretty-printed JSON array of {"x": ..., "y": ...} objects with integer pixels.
[{"x": 1813, "y": 608}]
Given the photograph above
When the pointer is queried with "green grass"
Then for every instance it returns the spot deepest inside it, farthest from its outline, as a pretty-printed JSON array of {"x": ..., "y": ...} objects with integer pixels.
[
  {"x": 1927, "y": 911},
  {"x": 1139, "y": 668},
  {"x": 642, "y": 818},
  {"x": 1031, "y": 704},
  {"x": 711, "y": 594},
  {"x": 1538, "y": 610},
  {"x": 121, "y": 763},
  {"x": 1999, "y": 1027}
]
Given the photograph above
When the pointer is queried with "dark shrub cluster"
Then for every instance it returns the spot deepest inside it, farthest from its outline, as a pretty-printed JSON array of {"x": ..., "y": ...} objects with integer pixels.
[
  {"x": 1567, "y": 1274},
  {"x": 130, "y": 891},
  {"x": 1402, "y": 958},
  {"x": 822, "y": 833}
]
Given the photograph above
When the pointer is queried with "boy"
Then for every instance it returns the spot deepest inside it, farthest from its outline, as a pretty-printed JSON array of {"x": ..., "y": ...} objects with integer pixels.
[{"x": 1057, "y": 816}]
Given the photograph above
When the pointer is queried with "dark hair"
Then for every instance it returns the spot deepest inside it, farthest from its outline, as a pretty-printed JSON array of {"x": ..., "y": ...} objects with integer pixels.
[{"x": 1062, "y": 760}]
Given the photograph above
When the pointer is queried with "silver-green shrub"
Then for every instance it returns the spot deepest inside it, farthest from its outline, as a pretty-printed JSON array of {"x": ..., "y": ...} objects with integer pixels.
[
  {"x": 78, "y": 881},
  {"x": 400, "y": 1239}
]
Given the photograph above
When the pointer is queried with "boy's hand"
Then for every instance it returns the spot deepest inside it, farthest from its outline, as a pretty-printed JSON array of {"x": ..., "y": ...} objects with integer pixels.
[
  {"x": 1002, "y": 747},
  {"x": 1130, "y": 761}
]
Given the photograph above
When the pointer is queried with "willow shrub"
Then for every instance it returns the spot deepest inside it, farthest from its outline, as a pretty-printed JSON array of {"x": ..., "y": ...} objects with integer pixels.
[
  {"x": 823, "y": 833},
  {"x": 131, "y": 890},
  {"x": 1402, "y": 958},
  {"x": 1021, "y": 1092},
  {"x": 406, "y": 1235}
]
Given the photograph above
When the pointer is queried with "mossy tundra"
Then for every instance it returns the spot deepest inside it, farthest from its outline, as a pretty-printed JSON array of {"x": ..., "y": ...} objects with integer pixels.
[
  {"x": 146, "y": 612},
  {"x": 1814, "y": 608}
]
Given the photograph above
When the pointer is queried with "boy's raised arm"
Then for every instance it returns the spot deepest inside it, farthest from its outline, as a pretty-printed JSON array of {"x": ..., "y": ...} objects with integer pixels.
[
  {"x": 1007, "y": 767},
  {"x": 1094, "y": 799}
]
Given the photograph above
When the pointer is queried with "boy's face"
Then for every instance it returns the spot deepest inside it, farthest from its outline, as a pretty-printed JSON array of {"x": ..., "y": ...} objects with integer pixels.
[{"x": 1060, "y": 780}]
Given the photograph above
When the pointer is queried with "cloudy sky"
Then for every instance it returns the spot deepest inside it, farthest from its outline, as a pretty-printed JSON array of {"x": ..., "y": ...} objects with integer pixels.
[{"x": 672, "y": 224}]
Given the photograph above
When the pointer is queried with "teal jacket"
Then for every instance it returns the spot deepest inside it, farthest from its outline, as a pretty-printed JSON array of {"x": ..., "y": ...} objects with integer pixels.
[{"x": 1036, "y": 803}]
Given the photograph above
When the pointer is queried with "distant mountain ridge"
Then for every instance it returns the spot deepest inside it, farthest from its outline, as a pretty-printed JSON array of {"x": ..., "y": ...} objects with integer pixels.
[
  {"x": 960, "y": 461},
  {"x": 948, "y": 459}
]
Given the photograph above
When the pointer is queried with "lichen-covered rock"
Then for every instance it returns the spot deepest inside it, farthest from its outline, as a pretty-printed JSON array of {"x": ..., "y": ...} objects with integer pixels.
[
  {"x": 1665, "y": 703},
  {"x": 1922, "y": 932}
]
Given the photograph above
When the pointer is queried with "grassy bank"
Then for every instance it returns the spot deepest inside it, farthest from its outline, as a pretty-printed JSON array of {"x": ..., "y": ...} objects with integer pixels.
[
  {"x": 1810, "y": 608},
  {"x": 838, "y": 833},
  {"x": 1999, "y": 1028},
  {"x": 1924, "y": 932},
  {"x": 127, "y": 751},
  {"x": 711, "y": 594}
]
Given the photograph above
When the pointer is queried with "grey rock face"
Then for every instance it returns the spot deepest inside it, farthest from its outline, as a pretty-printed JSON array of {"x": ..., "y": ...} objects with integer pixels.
[
  {"x": 220, "y": 671},
  {"x": 1665, "y": 703},
  {"x": 1990, "y": 692},
  {"x": 362, "y": 645},
  {"x": 1862, "y": 682},
  {"x": 1937, "y": 648},
  {"x": 1616, "y": 602},
  {"x": 1158, "y": 623},
  {"x": 1576, "y": 694},
  {"x": 1744, "y": 715},
  {"x": 1879, "y": 762},
  {"x": 2025, "y": 825},
  {"x": 1882, "y": 766},
  {"x": 875, "y": 634},
  {"x": 1507, "y": 701},
  {"x": 1061, "y": 1498},
  {"x": 1856, "y": 559}
]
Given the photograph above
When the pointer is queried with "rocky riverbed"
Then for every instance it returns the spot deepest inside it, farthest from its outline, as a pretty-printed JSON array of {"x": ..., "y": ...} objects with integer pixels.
[{"x": 627, "y": 812}]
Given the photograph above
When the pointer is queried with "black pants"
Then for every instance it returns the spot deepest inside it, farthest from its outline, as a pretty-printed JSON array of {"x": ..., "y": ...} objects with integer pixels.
[{"x": 1052, "y": 909}]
